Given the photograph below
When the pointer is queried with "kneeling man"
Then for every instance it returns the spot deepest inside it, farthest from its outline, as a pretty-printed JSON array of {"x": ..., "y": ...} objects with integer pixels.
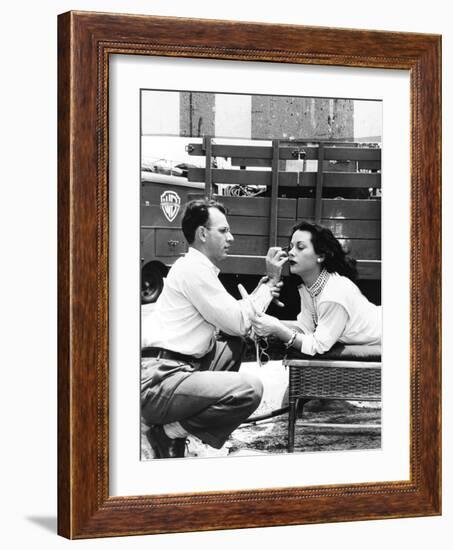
[{"x": 192, "y": 386}]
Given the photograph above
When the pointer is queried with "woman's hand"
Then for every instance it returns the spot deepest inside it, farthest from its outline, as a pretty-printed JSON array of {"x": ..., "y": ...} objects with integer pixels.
[{"x": 266, "y": 325}]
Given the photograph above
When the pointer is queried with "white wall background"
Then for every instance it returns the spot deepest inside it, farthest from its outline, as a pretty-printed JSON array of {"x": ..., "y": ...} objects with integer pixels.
[{"x": 28, "y": 215}]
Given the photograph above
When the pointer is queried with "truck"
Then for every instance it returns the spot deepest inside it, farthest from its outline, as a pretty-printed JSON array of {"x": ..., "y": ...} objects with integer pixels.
[{"x": 267, "y": 187}]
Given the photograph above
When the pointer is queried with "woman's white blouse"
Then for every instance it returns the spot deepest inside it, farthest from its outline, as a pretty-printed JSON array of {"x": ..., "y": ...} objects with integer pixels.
[{"x": 339, "y": 313}]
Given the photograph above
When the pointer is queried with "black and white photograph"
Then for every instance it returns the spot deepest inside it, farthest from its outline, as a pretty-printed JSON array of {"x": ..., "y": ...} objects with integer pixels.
[{"x": 260, "y": 262}]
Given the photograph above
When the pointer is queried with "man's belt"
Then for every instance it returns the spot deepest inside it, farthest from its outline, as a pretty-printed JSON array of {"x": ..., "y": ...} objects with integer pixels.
[{"x": 163, "y": 353}]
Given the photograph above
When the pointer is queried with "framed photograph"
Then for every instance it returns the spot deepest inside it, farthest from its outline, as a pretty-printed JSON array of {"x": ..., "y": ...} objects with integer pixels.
[{"x": 289, "y": 131}]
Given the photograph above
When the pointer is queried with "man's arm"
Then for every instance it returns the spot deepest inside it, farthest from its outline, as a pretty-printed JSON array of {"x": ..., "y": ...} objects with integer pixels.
[
  {"x": 275, "y": 259},
  {"x": 216, "y": 305}
]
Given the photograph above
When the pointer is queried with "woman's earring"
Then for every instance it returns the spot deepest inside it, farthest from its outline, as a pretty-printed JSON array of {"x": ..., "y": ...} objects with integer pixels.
[{"x": 318, "y": 260}]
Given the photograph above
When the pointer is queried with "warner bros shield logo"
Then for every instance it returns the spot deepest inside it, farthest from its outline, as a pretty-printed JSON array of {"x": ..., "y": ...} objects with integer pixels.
[{"x": 170, "y": 204}]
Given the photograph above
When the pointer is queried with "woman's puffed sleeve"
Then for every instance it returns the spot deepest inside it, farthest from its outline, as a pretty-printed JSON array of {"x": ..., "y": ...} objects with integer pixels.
[{"x": 332, "y": 319}]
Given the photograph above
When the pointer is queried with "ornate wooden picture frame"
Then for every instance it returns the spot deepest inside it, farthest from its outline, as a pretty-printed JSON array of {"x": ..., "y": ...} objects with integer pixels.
[{"x": 85, "y": 508}]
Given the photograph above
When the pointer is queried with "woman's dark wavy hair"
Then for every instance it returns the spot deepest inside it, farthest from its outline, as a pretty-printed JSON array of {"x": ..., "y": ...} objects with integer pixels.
[{"x": 326, "y": 245}]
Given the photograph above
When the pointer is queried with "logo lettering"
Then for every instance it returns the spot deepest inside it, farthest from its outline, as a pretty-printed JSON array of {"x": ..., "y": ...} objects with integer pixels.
[{"x": 170, "y": 204}]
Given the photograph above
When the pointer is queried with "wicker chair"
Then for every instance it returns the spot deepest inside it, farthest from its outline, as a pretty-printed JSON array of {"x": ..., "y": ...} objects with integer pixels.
[{"x": 345, "y": 372}]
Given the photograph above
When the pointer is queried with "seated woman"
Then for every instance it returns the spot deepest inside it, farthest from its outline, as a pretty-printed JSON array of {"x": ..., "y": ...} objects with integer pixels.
[{"x": 332, "y": 307}]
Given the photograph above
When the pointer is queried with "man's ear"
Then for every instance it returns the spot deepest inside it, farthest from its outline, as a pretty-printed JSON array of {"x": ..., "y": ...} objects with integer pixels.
[{"x": 201, "y": 233}]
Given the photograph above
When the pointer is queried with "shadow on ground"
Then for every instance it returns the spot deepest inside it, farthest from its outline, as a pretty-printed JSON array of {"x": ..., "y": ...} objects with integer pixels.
[{"x": 272, "y": 436}]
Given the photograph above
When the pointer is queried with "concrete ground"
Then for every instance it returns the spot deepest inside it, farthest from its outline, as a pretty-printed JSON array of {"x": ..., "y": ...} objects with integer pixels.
[{"x": 271, "y": 436}]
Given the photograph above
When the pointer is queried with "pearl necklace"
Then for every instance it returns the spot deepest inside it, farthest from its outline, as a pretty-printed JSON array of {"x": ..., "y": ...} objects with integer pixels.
[{"x": 315, "y": 290}]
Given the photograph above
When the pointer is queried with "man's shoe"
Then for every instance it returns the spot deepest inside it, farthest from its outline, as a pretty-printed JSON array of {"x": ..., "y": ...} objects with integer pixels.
[
  {"x": 164, "y": 446},
  {"x": 196, "y": 448}
]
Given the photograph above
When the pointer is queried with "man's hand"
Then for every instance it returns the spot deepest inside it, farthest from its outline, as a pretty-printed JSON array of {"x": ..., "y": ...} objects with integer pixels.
[
  {"x": 275, "y": 259},
  {"x": 274, "y": 288},
  {"x": 253, "y": 312}
]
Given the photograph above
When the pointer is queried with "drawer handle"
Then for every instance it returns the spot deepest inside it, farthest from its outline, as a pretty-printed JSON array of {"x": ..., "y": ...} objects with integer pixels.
[{"x": 173, "y": 243}]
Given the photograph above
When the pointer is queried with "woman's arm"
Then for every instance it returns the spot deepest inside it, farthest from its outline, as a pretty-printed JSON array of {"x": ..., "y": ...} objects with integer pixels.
[
  {"x": 266, "y": 325},
  {"x": 295, "y": 325},
  {"x": 331, "y": 324}
]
